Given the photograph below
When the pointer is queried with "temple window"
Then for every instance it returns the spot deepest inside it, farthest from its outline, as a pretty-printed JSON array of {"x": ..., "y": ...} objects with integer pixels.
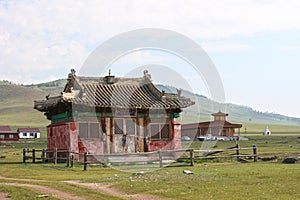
[
  {"x": 160, "y": 131},
  {"x": 89, "y": 130}
]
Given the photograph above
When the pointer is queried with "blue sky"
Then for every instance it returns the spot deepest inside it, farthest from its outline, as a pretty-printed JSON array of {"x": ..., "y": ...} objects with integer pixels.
[{"x": 255, "y": 45}]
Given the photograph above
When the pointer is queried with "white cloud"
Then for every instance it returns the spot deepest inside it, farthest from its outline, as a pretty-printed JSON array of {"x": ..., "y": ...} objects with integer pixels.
[
  {"x": 221, "y": 47},
  {"x": 40, "y": 37}
]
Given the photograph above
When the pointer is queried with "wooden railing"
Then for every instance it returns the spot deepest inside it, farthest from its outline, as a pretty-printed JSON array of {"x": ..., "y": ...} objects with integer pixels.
[{"x": 159, "y": 156}]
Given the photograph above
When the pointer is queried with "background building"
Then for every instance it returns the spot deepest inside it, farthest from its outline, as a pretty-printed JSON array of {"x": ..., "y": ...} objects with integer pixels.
[
  {"x": 218, "y": 127},
  {"x": 29, "y": 133},
  {"x": 8, "y": 135}
]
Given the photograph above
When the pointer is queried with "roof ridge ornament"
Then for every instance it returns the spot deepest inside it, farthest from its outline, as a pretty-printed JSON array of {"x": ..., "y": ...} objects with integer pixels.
[
  {"x": 179, "y": 91},
  {"x": 109, "y": 79},
  {"x": 71, "y": 78},
  {"x": 147, "y": 76}
]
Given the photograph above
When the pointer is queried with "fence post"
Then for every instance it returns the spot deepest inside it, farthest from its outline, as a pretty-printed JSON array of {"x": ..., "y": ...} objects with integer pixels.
[
  {"x": 68, "y": 157},
  {"x": 237, "y": 152},
  {"x": 192, "y": 157},
  {"x": 24, "y": 155},
  {"x": 255, "y": 153},
  {"x": 72, "y": 161},
  {"x": 85, "y": 164},
  {"x": 33, "y": 155},
  {"x": 55, "y": 156},
  {"x": 160, "y": 159},
  {"x": 43, "y": 155}
]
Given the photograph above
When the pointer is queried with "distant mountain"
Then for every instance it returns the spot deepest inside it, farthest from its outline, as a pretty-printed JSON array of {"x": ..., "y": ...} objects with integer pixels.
[
  {"x": 16, "y": 107},
  {"x": 204, "y": 107},
  {"x": 53, "y": 88}
]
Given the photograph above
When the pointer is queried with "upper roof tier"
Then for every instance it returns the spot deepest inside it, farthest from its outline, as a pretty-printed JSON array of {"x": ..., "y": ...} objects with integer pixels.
[
  {"x": 114, "y": 92},
  {"x": 219, "y": 114}
]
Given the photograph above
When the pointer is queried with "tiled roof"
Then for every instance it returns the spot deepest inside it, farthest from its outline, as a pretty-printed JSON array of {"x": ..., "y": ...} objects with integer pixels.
[
  {"x": 207, "y": 124},
  {"x": 115, "y": 92},
  {"x": 189, "y": 126},
  {"x": 225, "y": 124},
  {"x": 28, "y": 130},
  {"x": 6, "y": 129}
]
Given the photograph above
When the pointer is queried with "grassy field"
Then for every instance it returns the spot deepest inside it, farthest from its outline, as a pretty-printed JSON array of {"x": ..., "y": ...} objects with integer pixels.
[{"x": 211, "y": 179}]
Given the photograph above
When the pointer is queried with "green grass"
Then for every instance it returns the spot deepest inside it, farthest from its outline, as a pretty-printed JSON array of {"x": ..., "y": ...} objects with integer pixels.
[
  {"x": 23, "y": 193},
  {"x": 212, "y": 179},
  {"x": 226, "y": 180},
  {"x": 274, "y": 128},
  {"x": 220, "y": 181}
]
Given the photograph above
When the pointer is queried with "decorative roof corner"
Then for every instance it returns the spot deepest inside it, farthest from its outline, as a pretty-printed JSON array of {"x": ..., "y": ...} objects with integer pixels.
[
  {"x": 147, "y": 76},
  {"x": 179, "y": 91},
  {"x": 71, "y": 78},
  {"x": 69, "y": 96}
]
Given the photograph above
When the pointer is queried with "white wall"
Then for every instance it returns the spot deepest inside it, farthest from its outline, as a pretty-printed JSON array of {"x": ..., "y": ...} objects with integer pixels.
[{"x": 21, "y": 135}]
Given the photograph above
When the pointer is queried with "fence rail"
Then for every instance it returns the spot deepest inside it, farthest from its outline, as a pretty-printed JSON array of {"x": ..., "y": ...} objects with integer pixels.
[{"x": 69, "y": 157}]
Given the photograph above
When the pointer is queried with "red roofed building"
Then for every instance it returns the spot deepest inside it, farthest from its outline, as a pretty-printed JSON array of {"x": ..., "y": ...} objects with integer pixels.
[
  {"x": 8, "y": 135},
  {"x": 218, "y": 127}
]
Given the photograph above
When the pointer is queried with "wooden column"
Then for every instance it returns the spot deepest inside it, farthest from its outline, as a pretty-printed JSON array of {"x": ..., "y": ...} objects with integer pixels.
[
  {"x": 141, "y": 134},
  {"x": 107, "y": 128}
]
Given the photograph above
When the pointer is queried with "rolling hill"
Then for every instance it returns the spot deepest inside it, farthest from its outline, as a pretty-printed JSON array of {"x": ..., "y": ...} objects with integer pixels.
[{"x": 16, "y": 108}]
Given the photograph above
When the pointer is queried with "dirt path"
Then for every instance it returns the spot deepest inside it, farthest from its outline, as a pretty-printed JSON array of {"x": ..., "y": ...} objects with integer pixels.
[
  {"x": 107, "y": 189},
  {"x": 103, "y": 188},
  {"x": 47, "y": 190},
  {"x": 4, "y": 196}
]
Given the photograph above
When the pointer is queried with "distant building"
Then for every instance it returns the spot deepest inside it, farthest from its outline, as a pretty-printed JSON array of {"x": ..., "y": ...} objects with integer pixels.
[
  {"x": 267, "y": 131},
  {"x": 29, "y": 133},
  {"x": 218, "y": 127},
  {"x": 8, "y": 135},
  {"x": 111, "y": 114}
]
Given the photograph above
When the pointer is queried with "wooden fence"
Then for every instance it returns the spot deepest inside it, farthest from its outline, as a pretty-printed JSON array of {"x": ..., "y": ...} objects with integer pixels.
[{"x": 159, "y": 156}]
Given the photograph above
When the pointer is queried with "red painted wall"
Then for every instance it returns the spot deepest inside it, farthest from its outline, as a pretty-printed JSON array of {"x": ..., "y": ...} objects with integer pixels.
[
  {"x": 65, "y": 136},
  {"x": 58, "y": 136},
  {"x": 92, "y": 147},
  {"x": 173, "y": 144}
]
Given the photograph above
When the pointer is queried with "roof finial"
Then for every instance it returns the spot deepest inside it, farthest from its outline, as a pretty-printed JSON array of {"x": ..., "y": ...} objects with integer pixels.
[
  {"x": 179, "y": 91},
  {"x": 71, "y": 77},
  {"x": 73, "y": 71},
  {"x": 109, "y": 72},
  {"x": 147, "y": 76}
]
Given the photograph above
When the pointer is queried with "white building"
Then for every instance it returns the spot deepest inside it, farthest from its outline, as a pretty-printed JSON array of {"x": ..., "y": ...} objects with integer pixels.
[
  {"x": 267, "y": 131},
  {"x": 29, "y": 133}
]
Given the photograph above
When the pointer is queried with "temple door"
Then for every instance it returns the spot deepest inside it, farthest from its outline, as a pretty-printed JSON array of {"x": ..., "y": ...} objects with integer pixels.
[{"x": 125, "y": 136}]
